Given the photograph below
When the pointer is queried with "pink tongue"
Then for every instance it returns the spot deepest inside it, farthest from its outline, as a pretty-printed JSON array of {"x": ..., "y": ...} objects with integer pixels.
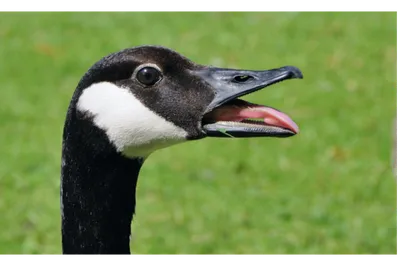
[{"x": 271, "y": 116}]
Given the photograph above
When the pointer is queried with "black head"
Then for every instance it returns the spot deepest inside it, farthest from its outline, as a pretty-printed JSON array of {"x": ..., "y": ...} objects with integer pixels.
[{"x": 150, "y": 97}]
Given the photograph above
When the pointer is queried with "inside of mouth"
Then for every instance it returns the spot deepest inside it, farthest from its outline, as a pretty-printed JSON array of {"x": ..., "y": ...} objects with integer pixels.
[{"x": 250, "y": 114}]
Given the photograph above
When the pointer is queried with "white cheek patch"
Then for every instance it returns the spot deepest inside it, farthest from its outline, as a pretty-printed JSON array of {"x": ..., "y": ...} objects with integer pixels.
[{"x": 133, "y": 128}]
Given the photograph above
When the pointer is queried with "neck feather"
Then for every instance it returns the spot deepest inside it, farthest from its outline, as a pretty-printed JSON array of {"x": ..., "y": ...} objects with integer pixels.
[{"x": 97, "y": 192}]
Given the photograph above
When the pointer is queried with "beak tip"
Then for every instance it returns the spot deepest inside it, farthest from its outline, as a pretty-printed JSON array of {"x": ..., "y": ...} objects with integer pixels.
[{"x": 294, "y": 72}]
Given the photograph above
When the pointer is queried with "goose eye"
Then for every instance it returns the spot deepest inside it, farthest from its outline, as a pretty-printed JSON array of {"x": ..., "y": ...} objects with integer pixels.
[{"x": 148, "y": 76}]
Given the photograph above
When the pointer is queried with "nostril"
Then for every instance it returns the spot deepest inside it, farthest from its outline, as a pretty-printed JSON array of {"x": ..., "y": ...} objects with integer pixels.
[{"x": 243, "y": 78}]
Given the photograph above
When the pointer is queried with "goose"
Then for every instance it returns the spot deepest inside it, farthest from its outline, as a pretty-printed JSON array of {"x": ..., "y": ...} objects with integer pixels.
[{"x": 132, "y": 103}]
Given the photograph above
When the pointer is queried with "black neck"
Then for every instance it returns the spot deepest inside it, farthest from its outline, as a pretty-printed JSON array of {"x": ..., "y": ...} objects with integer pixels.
[{"x": 97, "y": 192}]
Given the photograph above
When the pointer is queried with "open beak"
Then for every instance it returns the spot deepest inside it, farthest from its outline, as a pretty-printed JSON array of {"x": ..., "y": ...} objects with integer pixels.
[{"x": 227, "y": 116}]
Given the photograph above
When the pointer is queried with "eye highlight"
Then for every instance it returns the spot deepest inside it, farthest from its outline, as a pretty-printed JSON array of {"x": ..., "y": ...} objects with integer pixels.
[{"x": 148, "y": 76}]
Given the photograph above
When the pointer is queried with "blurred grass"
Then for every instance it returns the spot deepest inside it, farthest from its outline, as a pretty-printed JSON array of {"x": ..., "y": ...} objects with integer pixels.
[{"x": 328, "y": 190}]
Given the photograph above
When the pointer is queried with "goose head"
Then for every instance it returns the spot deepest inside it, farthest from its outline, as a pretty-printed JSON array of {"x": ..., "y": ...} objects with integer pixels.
[{"x": 150, "y": 97}]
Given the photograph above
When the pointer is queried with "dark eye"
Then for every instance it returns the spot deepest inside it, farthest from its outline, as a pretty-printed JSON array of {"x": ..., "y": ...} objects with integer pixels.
[{"x": 148, "y": 76}]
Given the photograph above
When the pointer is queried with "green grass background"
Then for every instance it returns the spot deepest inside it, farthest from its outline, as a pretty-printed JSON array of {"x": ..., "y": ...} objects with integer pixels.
[{"x": 329, "y": 189}]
